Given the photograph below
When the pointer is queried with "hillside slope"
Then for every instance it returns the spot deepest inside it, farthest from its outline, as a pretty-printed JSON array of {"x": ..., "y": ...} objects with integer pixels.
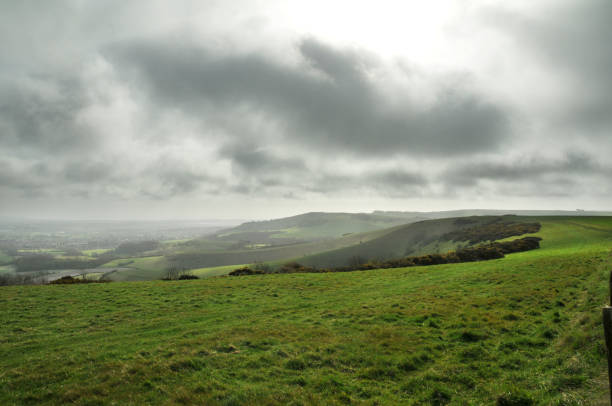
[
  {"x": 423, "y": 237},
  {"x": 316, "y": 226},
  {"x": 524, "y": 329}
]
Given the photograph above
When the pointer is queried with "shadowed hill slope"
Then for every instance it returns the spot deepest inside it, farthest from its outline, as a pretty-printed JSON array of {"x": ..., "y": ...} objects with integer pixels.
[{"x": 424, "y": 237}]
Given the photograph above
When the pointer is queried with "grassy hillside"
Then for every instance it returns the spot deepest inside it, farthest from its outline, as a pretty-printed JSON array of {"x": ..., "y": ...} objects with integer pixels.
[
  {"x": 199, "y": 259},
  {"x": 423, "y": 237},
  {"x": 395, "y": 242},
  {"x": 280, "y": 240},
  {"x": 522, "y": 330},
  {"x": 316, "y": 226},
  {"x": 5, "y": 258},
  {"x": 136, "y": 269}
]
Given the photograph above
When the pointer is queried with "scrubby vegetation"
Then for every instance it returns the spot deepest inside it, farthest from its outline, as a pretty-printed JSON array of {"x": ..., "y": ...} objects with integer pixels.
[
  {"x": 136, "y": 247},
  {"x": 245, "y": 271},
  {"x": 424, "y": 237},
  {"x": 7, "y": 279},
  {"x": 479, "y": 253},
  {"x": 265, "y": 242},
  {"x": 176, "y": 274},
  {"x": 496, "y": 230},
  {"x": 39, "y": 262},
  {"x": 71, "y": 280},
  {"x": 523, "y": 329}
]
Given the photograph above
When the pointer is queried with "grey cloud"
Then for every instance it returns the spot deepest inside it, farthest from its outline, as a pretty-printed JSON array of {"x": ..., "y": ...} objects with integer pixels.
[
  {"x": 181, "y": 182},
  {"x": 531, "y": 170},
  {"x": 87, "y": 172},
  {"x": 397, "y": 179},
  {"x": 41, "y": 116},
  {"x": 571, "y": 38},
  {"x": 249, "y": 159},
  {"x": 340, "y": 65},
  {"x": 347, "y": 113},
  {"x": 396, "y": 183},
  {"x": 272, "y": 126},
  {"x": 26, "y": 180},
  {"x": 169, "y": 177}
]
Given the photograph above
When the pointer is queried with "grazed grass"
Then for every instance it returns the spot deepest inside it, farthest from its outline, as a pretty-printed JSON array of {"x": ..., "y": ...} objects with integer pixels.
[
  {"x": 96, "y": 251},
  {"x": 522, "y": 327},
  {"x": 215, "y": 270},
  {"x": 5, "y": 258},
  {"x": 139, "y": 268}
]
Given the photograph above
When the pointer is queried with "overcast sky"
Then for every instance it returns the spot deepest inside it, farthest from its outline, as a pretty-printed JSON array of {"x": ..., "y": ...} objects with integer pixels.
[{"x": 262, "y": 109}]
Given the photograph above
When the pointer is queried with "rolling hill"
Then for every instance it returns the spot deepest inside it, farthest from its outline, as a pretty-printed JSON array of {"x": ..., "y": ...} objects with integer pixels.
[
  {"x": 520, "y": 330},
  {"x": 315, "y": 239},
  {"x": 315, "y": 226},
  {"x": 418, "y": 238}
]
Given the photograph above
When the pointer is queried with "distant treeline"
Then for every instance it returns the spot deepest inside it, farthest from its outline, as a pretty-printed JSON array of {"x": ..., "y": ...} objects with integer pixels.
[
  {"x": 496, "y": 230},
  {"x": 479, "y": 253},
  {"x": 40, "y": 262},
  {"x": 70, "y": 280},
  {"x": 131, "y": 248},
  {"x": 43, "y": 262},
  {"x": 7, "y": 279}
]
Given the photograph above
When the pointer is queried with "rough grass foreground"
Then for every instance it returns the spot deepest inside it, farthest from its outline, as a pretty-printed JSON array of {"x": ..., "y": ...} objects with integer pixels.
[{"x": 520, "y": 330}]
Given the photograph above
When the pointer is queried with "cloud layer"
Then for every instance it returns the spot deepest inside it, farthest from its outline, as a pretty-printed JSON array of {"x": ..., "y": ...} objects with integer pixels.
[{"x": 161, "y": 113}]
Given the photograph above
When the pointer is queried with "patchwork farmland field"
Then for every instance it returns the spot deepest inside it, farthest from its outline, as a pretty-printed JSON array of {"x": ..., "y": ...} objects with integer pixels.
[{"x": 521, "y": 330}]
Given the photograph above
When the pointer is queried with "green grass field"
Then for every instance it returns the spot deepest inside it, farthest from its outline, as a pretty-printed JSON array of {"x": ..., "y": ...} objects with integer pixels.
[
  {"x": 316, "y": 226},
  {"x": 521, "y": 330},
  {"x": 6, "y": 269},
  {"x": 215, "y": 270},
  {"x": 5, "y": 258},
  {"x": 96, "y": 251},
  {"x": 139, "y": 268}
]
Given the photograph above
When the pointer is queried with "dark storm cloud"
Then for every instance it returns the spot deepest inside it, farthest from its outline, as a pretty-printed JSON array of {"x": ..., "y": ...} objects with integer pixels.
[{"x": 327, "y": 102}]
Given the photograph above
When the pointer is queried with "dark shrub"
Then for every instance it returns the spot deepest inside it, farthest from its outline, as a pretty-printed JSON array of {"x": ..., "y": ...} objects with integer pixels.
[
  {"x": 175, "y": 274},
  {"x": 470, "y": 337},
  {"x": 295, "y": 364},
  {"x": 514, "y": 399},
  {"x": 491, "y": 232},
  {"x": 69, "y": 280},
  {"x": 439, "y": 396},
  {"x": 187, "y": 277},
  {"x": 294, "y": 267},
  {"x": 245, "y": 271}
]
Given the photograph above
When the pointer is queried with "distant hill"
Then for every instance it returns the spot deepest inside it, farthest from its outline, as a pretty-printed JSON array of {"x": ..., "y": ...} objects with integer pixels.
[
  {"x": 423, "y": 237},
  {"x": 489, "y": 212},
  {"x": 322, "y": 225},
  {"x": 334, "y": 239},
  {"x": 316, "y": 226}
]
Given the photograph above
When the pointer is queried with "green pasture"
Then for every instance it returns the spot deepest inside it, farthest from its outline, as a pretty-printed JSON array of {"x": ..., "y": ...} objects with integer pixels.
[
  {"x": 139, "y": 268},
  {"x": 96, "y": 251},
  {"x": 5, "y": 258},
  {"x": 521, "y": 330},
  {"x": 7, "y": 269},
  {"x": 215, "y": 270}
]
